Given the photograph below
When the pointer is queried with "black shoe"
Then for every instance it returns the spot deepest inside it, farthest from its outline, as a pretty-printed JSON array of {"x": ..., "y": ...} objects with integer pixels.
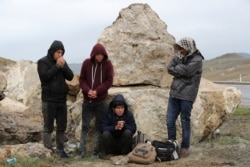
[
  {"x": 95, "y": 155},
  {"x": 63, "y": 154}
]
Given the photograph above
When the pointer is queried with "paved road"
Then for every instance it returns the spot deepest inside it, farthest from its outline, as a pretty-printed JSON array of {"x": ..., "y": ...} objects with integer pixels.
[{"x": 245, "y": 90}]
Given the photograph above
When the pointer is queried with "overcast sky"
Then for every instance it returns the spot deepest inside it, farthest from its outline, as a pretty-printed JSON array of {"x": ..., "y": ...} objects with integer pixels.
[{"x": 28, "y": 27}]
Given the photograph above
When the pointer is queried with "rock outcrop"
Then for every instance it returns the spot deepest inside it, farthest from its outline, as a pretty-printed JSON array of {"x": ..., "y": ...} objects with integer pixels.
[{"x": 140, "y": 48}]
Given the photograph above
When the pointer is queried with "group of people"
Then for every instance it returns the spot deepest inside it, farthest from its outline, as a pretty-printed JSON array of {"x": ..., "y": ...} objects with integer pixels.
[{"x": 115, "y": 124}]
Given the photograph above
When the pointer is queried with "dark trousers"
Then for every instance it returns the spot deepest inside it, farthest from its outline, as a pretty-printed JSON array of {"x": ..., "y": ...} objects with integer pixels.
[
  {"x": 117, "y": 146},
  {"x": 54, "y": 111},
  {"x": 90, "y": 111}
]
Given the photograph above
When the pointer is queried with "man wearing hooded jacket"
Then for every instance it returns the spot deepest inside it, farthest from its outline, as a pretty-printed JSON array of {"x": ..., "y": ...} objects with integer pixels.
[
  {"x": 53, "y": 70},
  {"x": 117, "y": 128},
  {"x": 95, "y": 79},
  {"x": 186, "y": 69}
]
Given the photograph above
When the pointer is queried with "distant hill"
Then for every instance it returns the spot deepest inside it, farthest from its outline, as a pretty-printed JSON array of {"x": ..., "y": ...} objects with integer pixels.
[
  {"x": 245, "y": 54},
  {"x": 228, "y": 67}
]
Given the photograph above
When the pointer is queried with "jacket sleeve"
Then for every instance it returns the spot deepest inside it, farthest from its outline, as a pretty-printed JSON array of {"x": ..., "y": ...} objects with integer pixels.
[
  {"x": 130, "y": 123},
  {"x": 109, "y": 81},
  {"x": 107, "y": 124},
  {"x": 185, "y": 70},
  {"x": 45, "y": 71},
  {"x": 67, "y": 72},
  {"x": 83, "y": 78}
]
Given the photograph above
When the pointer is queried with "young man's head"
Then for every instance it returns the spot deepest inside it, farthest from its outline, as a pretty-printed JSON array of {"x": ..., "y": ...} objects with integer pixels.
[
  {"x": 99, "y": 58},
  {"x": 98, "y": 53},
  {"x": 186, "y": 46},
  {"x": 56, "y": 50},
  {"x": 119, "y": 108},
  {"x": 180, "y": 50},
  {"x": 57, "y": 54}
]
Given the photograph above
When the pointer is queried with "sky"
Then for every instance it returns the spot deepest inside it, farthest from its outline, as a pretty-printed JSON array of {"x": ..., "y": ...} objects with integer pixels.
[{"x": 28, "y": 27}]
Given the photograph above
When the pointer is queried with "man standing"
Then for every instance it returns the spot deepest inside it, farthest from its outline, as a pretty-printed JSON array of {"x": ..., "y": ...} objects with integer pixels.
[
  {"x": 96, "y": 78},
  {"x": 117, "y": 128},
  {"x": 186, "y": 69},
  {"x": 53, "y": 70}
]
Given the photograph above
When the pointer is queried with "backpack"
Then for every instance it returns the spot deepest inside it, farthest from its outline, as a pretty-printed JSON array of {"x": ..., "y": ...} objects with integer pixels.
[
  {"x": 166, "y": 151},
  {"x": 140, "y": 137},
  {"x": 143, "y": 153}
]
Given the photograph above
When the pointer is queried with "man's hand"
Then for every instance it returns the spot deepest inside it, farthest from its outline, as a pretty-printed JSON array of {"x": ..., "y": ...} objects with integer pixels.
[
  {"x": 120, "y": 125},
  {"x": 60, "y": 62},
  {"x": 92, "y": 94}
]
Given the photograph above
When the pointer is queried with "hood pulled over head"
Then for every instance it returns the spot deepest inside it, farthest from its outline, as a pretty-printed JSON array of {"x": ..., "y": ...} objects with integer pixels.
[
  {"x": 188, "y": 44},
  {"x": 55, "y": 46},
  {"x": 98, "y": 49},
  {"x": 118, "y": 100}
]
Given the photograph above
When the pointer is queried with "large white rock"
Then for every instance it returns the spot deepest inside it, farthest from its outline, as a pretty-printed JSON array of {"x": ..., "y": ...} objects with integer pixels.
[
  {"x": 139, "y": 47},
  {"x": 22, "y": 80}
]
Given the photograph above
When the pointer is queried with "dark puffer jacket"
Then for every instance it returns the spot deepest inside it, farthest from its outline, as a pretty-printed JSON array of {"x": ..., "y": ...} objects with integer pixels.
[
  {"x": 186, "y": 72},
  {"x": 110, "y": 119},
  {"x": 52, "y": 77}
]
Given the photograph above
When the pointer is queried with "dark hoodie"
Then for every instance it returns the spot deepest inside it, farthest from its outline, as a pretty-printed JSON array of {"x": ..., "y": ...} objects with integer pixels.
[
  {"x": 100, "y": 79},
  {"x": 109, "y": 120},
  {"x": 52, "y": 77}
]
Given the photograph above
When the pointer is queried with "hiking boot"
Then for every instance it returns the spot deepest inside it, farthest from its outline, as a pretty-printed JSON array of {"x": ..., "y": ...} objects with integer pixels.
[
  {"x": 63, "y": 154},
  {"x": 184, "y": 153},
  {"x": 95, "y": 155}
]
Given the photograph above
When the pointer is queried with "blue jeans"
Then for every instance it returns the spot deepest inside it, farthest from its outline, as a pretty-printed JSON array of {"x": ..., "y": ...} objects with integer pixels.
[
  {"x": 184, "y": 108},
  {"x": 90, "y": 111}
]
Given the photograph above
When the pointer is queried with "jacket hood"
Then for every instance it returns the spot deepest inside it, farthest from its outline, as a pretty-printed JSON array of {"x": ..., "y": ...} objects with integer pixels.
[
  {"x": 98, "y": 49},
  {"x": 118, "y": 98},
  {"x": 188, "y": 44},
  {"x": 55, "y": 46}
]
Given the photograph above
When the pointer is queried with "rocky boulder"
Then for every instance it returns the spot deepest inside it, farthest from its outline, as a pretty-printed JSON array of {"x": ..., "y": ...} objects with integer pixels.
[{"x": 139, "y": 47}]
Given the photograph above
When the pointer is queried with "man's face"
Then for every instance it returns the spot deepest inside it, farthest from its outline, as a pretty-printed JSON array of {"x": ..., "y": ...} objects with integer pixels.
[
  {"x": 57, "y": 54},
  {"x": 119, "y": 110},
  {"x": 183, "y": 51},
  {"x": 180, "y": 50},
  {"x": 99, "y": 58}
]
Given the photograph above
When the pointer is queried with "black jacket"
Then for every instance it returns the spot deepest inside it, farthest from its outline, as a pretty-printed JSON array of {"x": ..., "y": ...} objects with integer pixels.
[
  {"x": 110, "y": 119},
  {"x": 52, "y": 77}
]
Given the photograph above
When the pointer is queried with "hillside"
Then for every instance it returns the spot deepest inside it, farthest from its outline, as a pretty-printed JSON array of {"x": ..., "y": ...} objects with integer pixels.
[{"x": 228, "y": 67}]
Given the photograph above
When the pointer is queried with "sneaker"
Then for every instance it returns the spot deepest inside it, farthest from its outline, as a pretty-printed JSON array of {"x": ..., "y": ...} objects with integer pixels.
[
  {"x": 63, "y": 154},
  {"x": 184, "y": 153}
]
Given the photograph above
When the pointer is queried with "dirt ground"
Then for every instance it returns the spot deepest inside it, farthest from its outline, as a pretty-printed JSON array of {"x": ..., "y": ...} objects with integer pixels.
[{"x": 230, "y": 148}]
